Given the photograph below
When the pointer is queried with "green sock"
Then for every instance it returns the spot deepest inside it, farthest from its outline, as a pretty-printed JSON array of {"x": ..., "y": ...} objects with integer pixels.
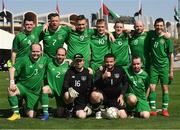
[
  {"x": 165, "y": 100},
  {"x": 45, "y": 101},
  {"x": 152, "y": 98},
  {"x": 13, "y": 101}
]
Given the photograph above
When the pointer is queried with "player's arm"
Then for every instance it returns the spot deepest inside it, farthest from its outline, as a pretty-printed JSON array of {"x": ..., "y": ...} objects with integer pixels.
[
  {"x": 13, "y": 57},
  {"x": 68, "y": 24},
  {"x": 111, "y": 37},
  {"x": 171, "y": 59},
  {"x": 12, "y": 85}
]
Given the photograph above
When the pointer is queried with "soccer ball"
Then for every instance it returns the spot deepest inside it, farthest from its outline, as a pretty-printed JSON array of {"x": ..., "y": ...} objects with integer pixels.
[{"x": 112, "y": 113}]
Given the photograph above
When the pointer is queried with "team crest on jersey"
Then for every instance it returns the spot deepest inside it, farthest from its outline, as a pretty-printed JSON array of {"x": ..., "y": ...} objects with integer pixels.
[
  {"x": 40, "y": 66},
  {"x": 83, "y": 78},
  {"x": 49, "y": 37},
  {"x": 82, "y": 37},
  {"x": 73, "y": 76},
  {"x": 162, "y": 41},
  {"x": 30, "y": 66},
  {"x": 59, "y": 37},
  {"x": 116, "y": 76},
  {"x": 32, "y": 36},
  {"x": 53, "y": 69}
]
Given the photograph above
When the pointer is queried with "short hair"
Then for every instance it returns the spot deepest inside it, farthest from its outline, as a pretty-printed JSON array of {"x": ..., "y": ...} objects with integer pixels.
[
  {"x": 100, "y": 21},
  {"x": 109, "y": 55},
  {"x": 81, "y": 17},
  {"x": 52, "y": 15},
  {"x": 135, "y": 57},
  {"x": 28, "y": 19},
  {"x": 61, "y": 48},
  {"x": 159, "y": 20},
  {"x": 119, "y": 21},
  {"x": 36, "y": 44}
]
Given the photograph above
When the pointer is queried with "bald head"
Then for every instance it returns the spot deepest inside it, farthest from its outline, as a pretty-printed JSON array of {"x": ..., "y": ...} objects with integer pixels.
[{"x": 139, "y": 26}]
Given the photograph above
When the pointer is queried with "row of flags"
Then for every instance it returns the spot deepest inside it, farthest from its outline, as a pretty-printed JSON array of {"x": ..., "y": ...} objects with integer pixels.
[{"x": 106, "y": 12}]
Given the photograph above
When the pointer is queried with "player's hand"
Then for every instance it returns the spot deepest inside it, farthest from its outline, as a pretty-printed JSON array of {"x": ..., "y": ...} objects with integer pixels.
[
  {"x": 111, "y": 37},
  {"x": 73, "y": 93},
  {"x": 120, "y": 100},
  {"x": 88, "y": 110},
  {"x": 106, "y": 74},
  {"x": 45, "y": 27},
  {"x": 12, "y": 87},
  {"x": 166, "y": 34},
  {"x": 69, "y": 61},
  {"x": 90, "y": 71}
]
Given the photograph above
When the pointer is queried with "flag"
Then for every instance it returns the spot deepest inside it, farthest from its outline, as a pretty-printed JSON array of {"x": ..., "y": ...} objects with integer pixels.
[
  {"x": 108, "y": 12},
  {"x": 138, "y": 12},
  {"x": 4, "y": 11},
  {"x": 176, "y": 15},
  {"x": 57, "y": 7}
]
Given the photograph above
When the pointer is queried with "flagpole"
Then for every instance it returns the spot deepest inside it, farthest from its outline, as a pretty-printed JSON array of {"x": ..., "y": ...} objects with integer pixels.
[
  {"x": 101, "y": 14},
  {"x": 178, "y": 8},
  {"x": 139, "y": 8}
]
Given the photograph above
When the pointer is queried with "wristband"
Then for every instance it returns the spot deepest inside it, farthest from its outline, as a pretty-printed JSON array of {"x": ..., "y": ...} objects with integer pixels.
[{"x": 12, "y": 82}]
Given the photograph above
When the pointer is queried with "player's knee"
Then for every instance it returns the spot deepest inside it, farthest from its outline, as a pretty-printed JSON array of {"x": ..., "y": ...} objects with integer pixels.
[
  {"x": 67, "y": 98},
  {"x": 96, "y": 97},
  {"x": 145, "y": 114},
  {"x": 31, "y": 114},
  {"x": 152, "y": 87},
  {"x": 122, "y": 114},
  {"x": 45, "y": 89},
  {"x": 165, "y": 88},
  {"x": 81, "y": 114},
  {"x": 132, "y": 100}
]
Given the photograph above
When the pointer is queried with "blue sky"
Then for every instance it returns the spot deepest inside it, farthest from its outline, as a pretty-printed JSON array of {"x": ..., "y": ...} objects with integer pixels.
[{"x": 154, "y": 8}]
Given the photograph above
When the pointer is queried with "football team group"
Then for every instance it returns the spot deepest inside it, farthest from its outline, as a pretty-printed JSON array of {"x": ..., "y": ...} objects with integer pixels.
[{"x": 98, "y": 70}]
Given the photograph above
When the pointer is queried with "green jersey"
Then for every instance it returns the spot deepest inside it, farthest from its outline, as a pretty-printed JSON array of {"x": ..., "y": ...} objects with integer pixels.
[
  {"x": 140, "y": 47},
  {"x": 100, "y": 46},
  {"x": 79, "y": 42},
  {"x": 161, "y": 48},
  {"x": 138, "y": 83},
  {"x": 120, "y": 48},
  {"x": 55, "y": 75},
  {"x": 53, "y": 40},
  {"x": 31, "y": 73},
  {"x": 23, "y": 41}
]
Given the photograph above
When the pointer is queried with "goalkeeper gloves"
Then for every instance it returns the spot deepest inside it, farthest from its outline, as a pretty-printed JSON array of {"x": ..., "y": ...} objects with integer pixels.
[
  {"x": 73, "y": 93},
  {"x": 88, "y": 110}
]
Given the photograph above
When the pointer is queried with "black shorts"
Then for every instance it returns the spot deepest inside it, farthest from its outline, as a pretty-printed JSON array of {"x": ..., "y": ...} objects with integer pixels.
[
  {"x": 111, "y": 102},
  {"x": 79, "y": 104}
]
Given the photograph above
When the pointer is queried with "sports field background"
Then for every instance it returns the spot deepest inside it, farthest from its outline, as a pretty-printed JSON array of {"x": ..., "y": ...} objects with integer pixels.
[{"x": 159, "y": 122}]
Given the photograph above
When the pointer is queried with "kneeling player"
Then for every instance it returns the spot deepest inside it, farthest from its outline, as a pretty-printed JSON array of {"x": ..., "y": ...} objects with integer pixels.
[
  {"x": 30, "y": 71},
  {"x": 56, "y": 70},
  {"x": 77, "y": 86},
  {"x": 136, "y": 95},
  {"x": 110, "y": 86}
]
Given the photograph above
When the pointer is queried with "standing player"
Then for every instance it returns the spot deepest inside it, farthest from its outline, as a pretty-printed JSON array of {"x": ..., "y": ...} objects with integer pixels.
[
  {"x": 54, "y": 37},
  {"x": 110, "y": 87},
  {"x": 30, "y": 71},
  {"x": 120, "y": 48},
  {"x": 100, "y": 45},
  {"x": 56, "y": 70},
  {"x": 77, "y": 87},
  {"x": 23, "y": 40},
  {"x": 136, "y": 93},
  {"x": 161, "y": 66},
  {"x": 139, "y": 45}
]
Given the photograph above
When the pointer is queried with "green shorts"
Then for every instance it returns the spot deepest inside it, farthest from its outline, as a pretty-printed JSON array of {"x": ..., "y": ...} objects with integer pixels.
[
  {"x": 58, "y": 97},
  {"x": 161, "y": 74},
  {"x": 31, "y": 98},
  {"x": 141, "y": 105}
]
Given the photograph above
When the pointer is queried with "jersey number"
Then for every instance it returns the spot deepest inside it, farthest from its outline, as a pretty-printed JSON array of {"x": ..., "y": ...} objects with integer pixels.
[
  {"x": 58, "y": 75},
  {"x": 77, "y": 83},
  {"x": 156, "y": 44},
  {"x": 35, "y": 71}
]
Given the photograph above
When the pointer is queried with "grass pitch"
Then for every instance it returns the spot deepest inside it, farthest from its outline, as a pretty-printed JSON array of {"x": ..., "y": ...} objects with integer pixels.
[{"x": 159, "y": 122}]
